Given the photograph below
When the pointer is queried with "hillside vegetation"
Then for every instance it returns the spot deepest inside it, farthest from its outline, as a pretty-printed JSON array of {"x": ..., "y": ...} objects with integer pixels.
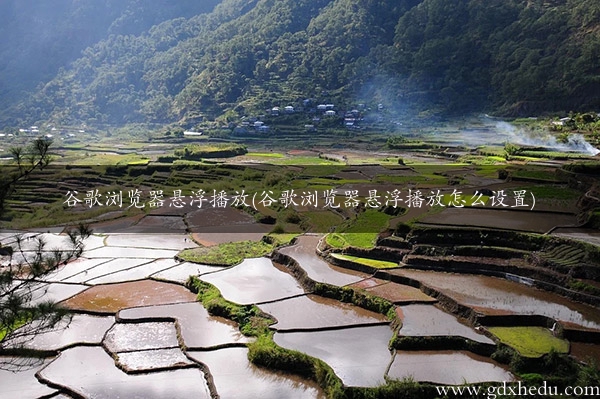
[
  {"x": 504, "y": 56},
  {"x": 40, "y": 37}
]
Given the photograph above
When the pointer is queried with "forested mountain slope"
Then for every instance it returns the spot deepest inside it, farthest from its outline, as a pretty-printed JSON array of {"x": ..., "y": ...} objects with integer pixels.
[
  {"x": 505, "y": 56},
  {"x": 40, "y": 36}
]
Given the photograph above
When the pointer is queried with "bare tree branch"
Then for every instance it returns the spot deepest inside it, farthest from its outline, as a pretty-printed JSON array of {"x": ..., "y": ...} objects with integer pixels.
[{"x": 23, "y": 315}]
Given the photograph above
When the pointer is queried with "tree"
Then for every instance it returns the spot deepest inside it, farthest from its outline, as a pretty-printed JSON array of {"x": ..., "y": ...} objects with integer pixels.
[{"x": 23, "y": 313}]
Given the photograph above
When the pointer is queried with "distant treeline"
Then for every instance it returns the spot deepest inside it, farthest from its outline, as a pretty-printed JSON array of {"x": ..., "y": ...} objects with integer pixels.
[{"x": 195, "y": 152}]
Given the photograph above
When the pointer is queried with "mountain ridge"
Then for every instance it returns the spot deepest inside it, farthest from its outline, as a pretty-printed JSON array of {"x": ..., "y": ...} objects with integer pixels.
[{"x": 504, "y": 56}]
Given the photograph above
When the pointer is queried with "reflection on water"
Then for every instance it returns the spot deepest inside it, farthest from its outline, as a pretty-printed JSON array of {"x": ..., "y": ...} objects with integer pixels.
[
  {"x": 18, "y": 383},
  {"x": 316, "y": 268},
  {"x": 445, "y": 367},
  {"x": 91, "y": 372},
  {"x": 493, "y": 295},
  {"x": 427, "y": 320},
  {"x": 313, "y": 311},
  {"x": 81, "y": 329},
  {"x": 198, "y": 328},
  {"x": 131, "y": 337},
  {"x": 236, "y": 377},
  {"x": 359, "y": 356},
  {"x": 152, "y": 359},
  {"x": 253, "y": 281}
]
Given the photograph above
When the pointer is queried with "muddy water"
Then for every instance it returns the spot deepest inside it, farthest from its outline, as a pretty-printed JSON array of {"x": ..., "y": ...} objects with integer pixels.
[
  {"x": 585, "y": 352},
  {"x": 114, "y": 297},
  {"x": 497, "y": 296},
  {"x": 359, "y": 356},
  {"x": 316, "y": 268},
  {"x": 428, "y": 320},
  {"x": 253, "y": 281},
  {"x": 396, "y": 293},
  {"x": 91, "y": 372},
  {"x": 445, "y": 367},
  {"x": 313, "y": 311},
  {"x": 81, "y": 329},
  {"x": 140, "y": 336},
  {"x": 198, "y": 328},
  {"x": 18, "y": 383},
  {"x": 236, "y": 377}
]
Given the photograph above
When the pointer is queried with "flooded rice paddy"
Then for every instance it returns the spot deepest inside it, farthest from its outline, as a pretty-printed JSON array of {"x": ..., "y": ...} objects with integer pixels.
[
  {"x": 182, "y": 271},
  {"x": 140, "y": 333},
  {"x": 491, "y": 295},
  {"x": 452, "y": 368},
  {"x": 141, "y": 336},
  {"x": 232, "y": 371},
  {"x": 91, "y": 373},
  {"x": 428, "y": 320},
  {"x": 393, "y": 292},
  {"x": 82, "y": 328},
  {"x": 253, "y": 281},
  {"x": 317, "y": 269},
  {"x": 148, "y": 360},
  {"x": 585, "y": 352},
  {"x": 198, "y": 329},
  {"x": 313, "y": 311},
  {"x": 111, "y": 298},
  {"x": 20, "y": 382},
  {"x": 359, "y": 356},
  {"x": 536, "y": 222}
]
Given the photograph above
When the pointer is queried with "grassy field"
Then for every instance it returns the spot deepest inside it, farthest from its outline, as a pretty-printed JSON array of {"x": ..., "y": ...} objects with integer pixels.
[
  {"x": 227, "y": 254},
  {"x": 269, "y": 155},
  {"x": 321, "y": 221},
  {"x": 110, "y": 159},
  {"x": 361, "y": 232},
  {"x": 379, "y": 264},
  {"x": 304, "y": 160},
  {"x": 530, "y": 341}
]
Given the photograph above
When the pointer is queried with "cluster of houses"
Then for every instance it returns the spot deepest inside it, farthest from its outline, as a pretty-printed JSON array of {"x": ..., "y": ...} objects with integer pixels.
[
  {"x": 51, "y": 131},
  {"x": 562, "y": 121},
  {"x": 32, "y": 129},
  {"x": 251, "y": 123},
  {"x": 351, "y": 119}
]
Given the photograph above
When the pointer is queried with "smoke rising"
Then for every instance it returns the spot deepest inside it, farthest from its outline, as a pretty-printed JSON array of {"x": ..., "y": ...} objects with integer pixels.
[{"x": 575, "y": 142}]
